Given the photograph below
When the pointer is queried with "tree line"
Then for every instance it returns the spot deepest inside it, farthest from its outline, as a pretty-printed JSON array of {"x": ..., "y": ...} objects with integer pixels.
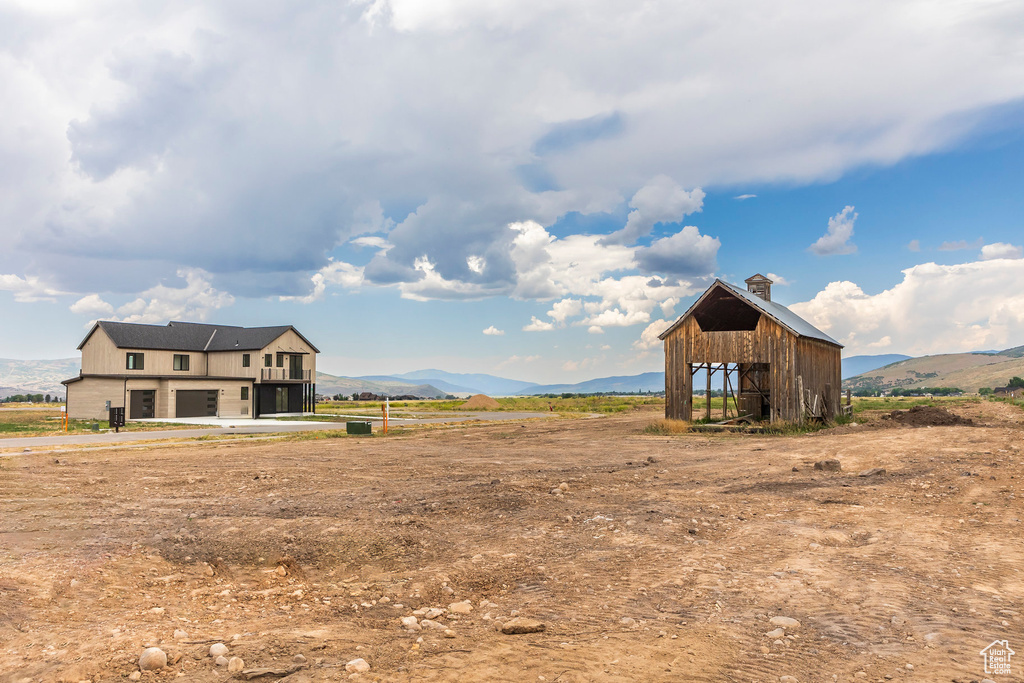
[{"x": 31, "y": 398}]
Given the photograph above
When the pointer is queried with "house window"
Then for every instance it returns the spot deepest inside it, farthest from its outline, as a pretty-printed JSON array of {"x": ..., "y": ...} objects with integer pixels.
[
  {"x": 181, "y": 361},
  {"x": 268, "y": 360},
  {"x": 245, "y": 360},
  {"x": 245, "y": 393},
  {"x": 280, "y": 360},
  {"x": 134, "y": 361}
]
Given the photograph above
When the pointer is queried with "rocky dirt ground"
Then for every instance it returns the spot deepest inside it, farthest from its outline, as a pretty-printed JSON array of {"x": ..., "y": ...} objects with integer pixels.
[{"x": 661, "y": 557}]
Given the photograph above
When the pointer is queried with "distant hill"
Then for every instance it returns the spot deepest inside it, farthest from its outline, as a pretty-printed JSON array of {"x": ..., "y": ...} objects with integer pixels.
[
  {"x": 1015, "y": 352},
  {"x": 472, "y": 383},
  {"x": 329, "y": 385},
  {"x": 648, "y": 381},
  {"x": 36, "y": 376},
  {"x": 856, "y": 365},
  {"x": 434, "y": 382},
  {"x": 968, "y": 371}
]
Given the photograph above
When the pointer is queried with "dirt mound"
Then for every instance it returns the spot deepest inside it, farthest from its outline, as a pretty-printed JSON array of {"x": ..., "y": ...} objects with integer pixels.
[
  {"x": 480, "y": 402},
  {"x": 927, "y": 416}
]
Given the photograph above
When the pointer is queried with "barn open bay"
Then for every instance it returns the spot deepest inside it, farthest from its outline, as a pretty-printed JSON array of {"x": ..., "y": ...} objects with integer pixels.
[{"x": 662, "y": 557}]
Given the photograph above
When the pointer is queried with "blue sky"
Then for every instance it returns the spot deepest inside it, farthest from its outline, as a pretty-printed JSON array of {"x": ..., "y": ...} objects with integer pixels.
[{"x": 530, "y": 189}]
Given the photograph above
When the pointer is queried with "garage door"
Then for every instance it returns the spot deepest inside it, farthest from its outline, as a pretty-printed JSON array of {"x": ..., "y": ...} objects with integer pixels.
[{"x": 196, "y": 403}]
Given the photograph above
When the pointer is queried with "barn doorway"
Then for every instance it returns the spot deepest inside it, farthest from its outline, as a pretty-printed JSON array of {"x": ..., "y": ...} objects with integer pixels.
[{"x": 730, "y": 390}]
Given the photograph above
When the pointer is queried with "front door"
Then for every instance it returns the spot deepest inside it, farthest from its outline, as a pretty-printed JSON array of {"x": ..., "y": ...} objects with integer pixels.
[
  {"x": 142, "y": 404},
  {"x": 281, "y": 402}
]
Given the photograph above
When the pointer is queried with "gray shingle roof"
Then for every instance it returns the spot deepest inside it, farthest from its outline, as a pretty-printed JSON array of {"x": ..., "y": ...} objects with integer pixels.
[
  {"x": 184, "y": 336},
  {"x": 778, "y": 312}
]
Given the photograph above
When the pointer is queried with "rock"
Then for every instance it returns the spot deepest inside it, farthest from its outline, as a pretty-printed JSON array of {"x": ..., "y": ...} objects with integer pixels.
[
  {"x": 909, "y": 666},
  {"x": 518, "y": 625},
  {"x": 460, "y": 607},
  {"x": 156, "y": 610},
  {"x": 235, "y": 664},
  {"x": 784, "y": 622},
  {"x": 564, "y": 486},
  {"x": 777, "y": 633},
  {"x": 180, "y": 635},
  {"x": 218, "y": 650},
  {"x": 628, "y": 622},
  {"x": 430, "y": 623},
  {"x": 788, "y": 679},
  {"x": 433, "y": 613},
  {"x": 411, "y": 623},
  {"x": 135, "y": 676},
  {"x": 448, "y": 633},
  {"x": 299, "y": 659},
  {"x": 152, "y": 659},
  {"x": 873, "y": 472},
  {"x": 357, "y": 666},
  {"x": 861, "y": 674},
  {"x": 557, "y": 492},
  {"x": 831, "y": 465},
  {"x": 221, "y": 661},
  {"x": 281, "y": 571}
]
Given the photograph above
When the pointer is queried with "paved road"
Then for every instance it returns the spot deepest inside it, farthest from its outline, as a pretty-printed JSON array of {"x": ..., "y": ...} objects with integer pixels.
[{"x": 238, "y": 427}]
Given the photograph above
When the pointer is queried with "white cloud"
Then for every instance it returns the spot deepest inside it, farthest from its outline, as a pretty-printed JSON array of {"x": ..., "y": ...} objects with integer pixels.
[
  {"x": 934, "y": 309},
  {"x": 476, "y": 264},
  {"x": 837, "y": 239},
  {"x": 566, "y": 308},
  {"x": 778, "y": 279},
  {"x": 595, "y": 329},
  {"x": 494, "y": 331},
  {"x": 616, "y": 318},
  {"x": 687, "y": 253},
  {"x": 92, "y": 305},
  {"x": 1001, "y": 250},
  {"x": 195, "y": 301},
  {"x": 745, "y": 196},
  {"x": 28, "y": 289},
  {"x": 538, "y": 325},
  {"x": 661, "y": 200},
  {"x": 371, "y": 241},
  {"x": 145, "y": 130},
  {"x": 914, "y": 245},
  {"x": 649, "y": 337},
  {"x": 960, "y": 245},
  {"x": 335, "y": 273}
]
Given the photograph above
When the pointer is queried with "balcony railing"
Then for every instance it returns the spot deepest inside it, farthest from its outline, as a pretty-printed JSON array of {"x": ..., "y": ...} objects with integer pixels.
[{"x": 285, "y": 375}]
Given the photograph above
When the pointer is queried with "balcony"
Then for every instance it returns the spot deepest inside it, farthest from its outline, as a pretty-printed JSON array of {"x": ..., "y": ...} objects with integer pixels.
[{"x": 285, "y": 375}]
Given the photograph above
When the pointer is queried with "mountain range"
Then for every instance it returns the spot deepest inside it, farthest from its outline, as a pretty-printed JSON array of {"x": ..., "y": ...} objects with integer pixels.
[{"x": 969, "y": 371}]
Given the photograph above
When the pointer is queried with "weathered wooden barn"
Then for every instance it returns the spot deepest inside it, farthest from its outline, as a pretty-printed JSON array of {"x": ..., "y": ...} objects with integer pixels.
[{"x": 769, "y": 361}]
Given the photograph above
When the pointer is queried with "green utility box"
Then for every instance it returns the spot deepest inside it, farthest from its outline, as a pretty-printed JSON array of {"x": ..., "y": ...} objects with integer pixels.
[{"x": 357, "y": 427}]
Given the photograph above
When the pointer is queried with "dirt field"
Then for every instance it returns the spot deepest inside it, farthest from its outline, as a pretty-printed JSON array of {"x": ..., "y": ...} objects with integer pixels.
[{"x": 664, "y": 559}]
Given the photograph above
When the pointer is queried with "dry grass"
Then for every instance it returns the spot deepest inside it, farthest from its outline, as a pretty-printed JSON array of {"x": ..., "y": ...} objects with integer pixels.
[{"x": 666, "y": 427}]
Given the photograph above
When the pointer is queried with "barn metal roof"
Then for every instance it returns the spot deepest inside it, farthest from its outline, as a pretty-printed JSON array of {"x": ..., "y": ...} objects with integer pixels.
[
  {"x": 776, "y": 312},
  {"x": 185, "y": 336}
]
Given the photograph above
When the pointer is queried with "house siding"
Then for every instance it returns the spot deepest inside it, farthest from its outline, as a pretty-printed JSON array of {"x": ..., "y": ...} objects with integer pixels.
[{"x": 105, "y": 377}]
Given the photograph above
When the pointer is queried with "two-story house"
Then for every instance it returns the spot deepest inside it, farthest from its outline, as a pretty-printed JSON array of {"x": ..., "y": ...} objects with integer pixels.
[{"x": 192, "y": 370}]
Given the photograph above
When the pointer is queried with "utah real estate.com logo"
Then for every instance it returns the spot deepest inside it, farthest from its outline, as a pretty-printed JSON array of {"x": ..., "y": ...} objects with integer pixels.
[{"x": 997, "y": 657}]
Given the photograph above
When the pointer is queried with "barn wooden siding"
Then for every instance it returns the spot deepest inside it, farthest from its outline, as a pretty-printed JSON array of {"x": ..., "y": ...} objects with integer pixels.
[{"x": 788, "y": 355}]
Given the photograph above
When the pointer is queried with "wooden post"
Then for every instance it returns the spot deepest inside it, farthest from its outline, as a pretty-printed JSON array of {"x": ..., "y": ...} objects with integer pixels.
[
  {"x": 707, "y": 394},
  {"x": 725, "y": 391},
  {"x": 848, "y": 397},
  {"x": 800, "y": 390},
  {"x": 826, "y": 403}
]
